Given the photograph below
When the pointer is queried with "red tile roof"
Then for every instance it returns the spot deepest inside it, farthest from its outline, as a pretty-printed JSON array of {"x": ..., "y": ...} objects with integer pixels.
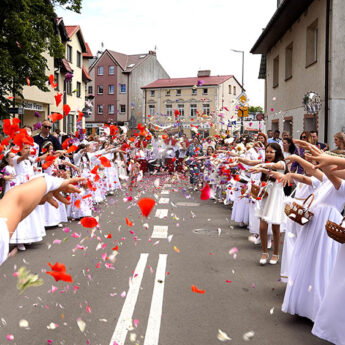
[
  {"x": 176, "y": 82},
  {"x": 71, "y": 29},
  {"x": 86, "y": 75},
  {"x": 88, "y": 53}
]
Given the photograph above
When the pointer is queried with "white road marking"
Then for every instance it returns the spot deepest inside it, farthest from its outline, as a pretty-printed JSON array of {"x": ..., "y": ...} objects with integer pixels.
[
  {"x": 164, "y": 201},
  {"x": 191, "y": 204},
  {"x": 154, "y": 322},
  {"x": 160, "y": 231},
  {"x": 165, "y": 192},
  {"x": 125, "y": 320},
  {"x": 161, "y": 213}
]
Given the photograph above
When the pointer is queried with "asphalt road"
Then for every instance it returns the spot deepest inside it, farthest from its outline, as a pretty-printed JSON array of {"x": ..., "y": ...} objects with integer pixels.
[{"x": 144, "y": 295}]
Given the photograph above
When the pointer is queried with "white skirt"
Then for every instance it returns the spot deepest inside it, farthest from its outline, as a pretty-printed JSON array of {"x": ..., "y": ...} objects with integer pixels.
[
  {"x": 271, "y": 209},
  {"x": 330, "y": 319},
  {"x": 54, "y": 216},
  {"x": 311, "y": 264},
  {"x": 4, "y": 240},
  {"x": 240, "y": 209}
]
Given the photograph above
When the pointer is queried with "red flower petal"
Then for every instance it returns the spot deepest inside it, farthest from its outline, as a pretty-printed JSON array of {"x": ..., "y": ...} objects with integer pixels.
[
  {"x": 105, "y": 162},
  {"x": 89, "y": 222},
  {"x": 205, "y": 193},
  {"x": 146, "y": 205},
  {"x": 128, "y": 222},
  {"x": 196, "y": 290}
]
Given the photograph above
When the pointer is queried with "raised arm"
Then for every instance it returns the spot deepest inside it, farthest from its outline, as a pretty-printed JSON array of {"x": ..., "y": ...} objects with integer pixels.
[{"x": 307, "y": 166}]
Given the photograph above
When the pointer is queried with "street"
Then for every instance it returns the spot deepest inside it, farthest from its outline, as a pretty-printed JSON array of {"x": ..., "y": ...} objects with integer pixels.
[{"x": 144, "y": 295}]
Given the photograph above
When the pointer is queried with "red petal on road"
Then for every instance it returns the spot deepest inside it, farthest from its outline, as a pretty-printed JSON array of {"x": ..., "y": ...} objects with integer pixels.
[
  {"x": 196, "y": 290},
  {"x": 146, "y": 205},
  {"x": 89, "y": 222}
]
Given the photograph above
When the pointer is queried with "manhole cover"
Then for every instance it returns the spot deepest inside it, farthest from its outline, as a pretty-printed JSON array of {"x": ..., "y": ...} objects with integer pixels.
[{"x": 191, "y": 204}]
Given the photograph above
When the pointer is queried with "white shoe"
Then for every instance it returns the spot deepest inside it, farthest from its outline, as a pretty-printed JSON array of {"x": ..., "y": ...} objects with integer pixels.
[
  {"x": 21, "y": 246},
  {"x": 274, "y": 260},
  {"x": 257, "y": 240},
  {"x": 263, "y": 261}
]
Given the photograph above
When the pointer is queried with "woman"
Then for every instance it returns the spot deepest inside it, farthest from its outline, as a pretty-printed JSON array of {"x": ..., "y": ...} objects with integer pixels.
[
  {"x": 339, "y": 141},
  {"x": 295, "y": 167},
  {"x": 270, "y": 209},
  {"x": 262, "y": 138}
]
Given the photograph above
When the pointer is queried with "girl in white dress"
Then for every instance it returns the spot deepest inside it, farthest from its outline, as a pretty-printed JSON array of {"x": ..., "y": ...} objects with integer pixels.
[
  {"x": 30, "y": 229},
  {"x": 315, "y": 253},
  {"x": 8, "y": 173},
  {"x": 270, "y": 209}
]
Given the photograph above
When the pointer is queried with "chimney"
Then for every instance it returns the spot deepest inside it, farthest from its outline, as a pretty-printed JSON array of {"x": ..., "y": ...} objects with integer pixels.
[
  {"x": 151, "y": 52},
  {"x": 204, "y": 73}
]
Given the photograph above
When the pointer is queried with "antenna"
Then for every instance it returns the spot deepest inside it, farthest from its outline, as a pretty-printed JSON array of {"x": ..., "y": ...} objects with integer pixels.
[
  {"x": 155, "y": 48},
  {"x": 102, "y": 45}
]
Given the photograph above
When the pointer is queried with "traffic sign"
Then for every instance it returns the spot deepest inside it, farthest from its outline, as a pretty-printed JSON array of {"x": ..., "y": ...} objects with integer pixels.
[
  {"x": 242, "y": 99},
  {"x": 242, "y": 112}
]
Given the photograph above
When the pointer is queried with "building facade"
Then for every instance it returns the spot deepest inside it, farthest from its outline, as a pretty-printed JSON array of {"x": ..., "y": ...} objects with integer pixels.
[
  {"x": 116, "y": 86},
  {"x": 38, "y": 103},
  {"x": 302, "y": 51},
  {"x": 205, "y": 102}
]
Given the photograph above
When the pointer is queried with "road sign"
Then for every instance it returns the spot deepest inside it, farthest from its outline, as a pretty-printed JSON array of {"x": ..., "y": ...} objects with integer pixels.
[
  {"x": 242, "y": 112},
  {"x": 242, "y": 99}
]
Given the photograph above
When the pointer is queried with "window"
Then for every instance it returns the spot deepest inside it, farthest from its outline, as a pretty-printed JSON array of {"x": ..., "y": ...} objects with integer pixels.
[
  {"x": 100, "y": 70},
  {"x": 122, "y": 108},
  {"x": 111, "y": 70},
  {"x": 193, "y": 109},
  {"x": 180, "y": 108},
  {"x": 194, "y": 91},
  {"x": 78, "y": 59},
  {"x": 168, "y": 109},
  {"x": 123, "y": 88},
  {"x": 151, "y": 109},
  {"x": 229, "y": 89},
  {"x": 167, "y": 92},
  {"x": 276, "y": 71},
  {"x": 69, "y": 53},
  {"x": 78, "y": 89},
  {"x": 69, "y": 87},
  {"x": 178, "y": 92},
  {"x": 100, "y": 109},
  {"x": 312, "y": 43},
  {"x": 111, "y": 89},
  {"x": 111, "y": 109},
  {"x": 204, "y": 91},
  {"x": 288, "y": 61},
  {"x": 56, "y": 80},
  {"x": 206, "y": 109},
  {"x": 90, "y": 90},
  {"x": 152, "y": 92},
  {"x": 234, "y": 90},
  {"x": 100, "y": 89}
]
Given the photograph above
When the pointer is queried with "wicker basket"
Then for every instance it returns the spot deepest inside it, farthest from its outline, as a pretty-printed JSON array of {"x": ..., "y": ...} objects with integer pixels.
[
  {"x": 256, "y": 192},
  {"x": 336, "y": 231},
  {"x": 300, "y": 213}
]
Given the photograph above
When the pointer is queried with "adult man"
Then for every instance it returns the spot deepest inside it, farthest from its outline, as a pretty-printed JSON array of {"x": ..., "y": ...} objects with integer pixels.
[
  {"x": 45, "y": 135},
  {"x": 275, "y": 138},
  {"x": 285, "y": 135},
  {"x": 269, "y": 134},
  {"x": 315, "y": 140}
]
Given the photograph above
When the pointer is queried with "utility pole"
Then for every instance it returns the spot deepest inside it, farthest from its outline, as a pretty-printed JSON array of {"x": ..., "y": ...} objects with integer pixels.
[{"x": 242, "y": 86}]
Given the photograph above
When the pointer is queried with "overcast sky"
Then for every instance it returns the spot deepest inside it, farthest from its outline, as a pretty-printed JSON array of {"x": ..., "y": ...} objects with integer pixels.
[{"x": 189, "y": 34}]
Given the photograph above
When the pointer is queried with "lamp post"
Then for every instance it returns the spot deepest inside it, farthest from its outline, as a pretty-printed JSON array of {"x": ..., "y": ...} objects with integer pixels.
[{"x": 242, "y": 86}]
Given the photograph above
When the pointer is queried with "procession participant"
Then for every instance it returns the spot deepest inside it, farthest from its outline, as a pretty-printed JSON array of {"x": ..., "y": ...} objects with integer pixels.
[
  {"x": 31, "y": 229},
  {"x": 289, "y": 149},
  {"x": 8, "y": 173},
  {"x": 18, "y": 203},
  {"x": 295, "y": 167},
  {"x": 170, "y": 149},
  {"x": 194, "y": 150},
  {"x": 315, "y": 253},
  {"x": 45, "y": 135},
  {"x": 270, "y": 209}
]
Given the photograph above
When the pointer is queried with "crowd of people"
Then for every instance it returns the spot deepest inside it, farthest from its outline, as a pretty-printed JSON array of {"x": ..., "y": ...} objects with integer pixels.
[{"x": 273, "y": 185}]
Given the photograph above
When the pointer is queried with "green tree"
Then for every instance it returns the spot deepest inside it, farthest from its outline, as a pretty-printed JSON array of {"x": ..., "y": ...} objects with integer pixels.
[
  {"x": 27, "y": 29},
  {"x": 257, "y": 109}
]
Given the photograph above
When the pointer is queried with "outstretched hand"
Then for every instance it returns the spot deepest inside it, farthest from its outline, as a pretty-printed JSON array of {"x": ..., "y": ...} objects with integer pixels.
[{"x": 67, "y": 186}]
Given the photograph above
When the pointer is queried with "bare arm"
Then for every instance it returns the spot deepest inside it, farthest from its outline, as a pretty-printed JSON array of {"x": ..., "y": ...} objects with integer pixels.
[
  {"x": 307, "y": 166},
  {"x": 248, "y": 161}
]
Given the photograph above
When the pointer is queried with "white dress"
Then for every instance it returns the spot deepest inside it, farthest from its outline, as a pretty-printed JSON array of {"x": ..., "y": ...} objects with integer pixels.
[
  {"x": 314, "y": 254},
  {"x": 302, "y": 191},
  {"x": 271, "y": 209},
  {"x": 30, "y": 229},
  {"x": 330, "y": 320}
]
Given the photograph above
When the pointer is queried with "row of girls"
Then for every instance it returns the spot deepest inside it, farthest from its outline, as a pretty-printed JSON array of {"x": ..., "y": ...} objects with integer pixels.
[
  {"x": 104, "y": 165},
  {"x": 312, "y": 263}
]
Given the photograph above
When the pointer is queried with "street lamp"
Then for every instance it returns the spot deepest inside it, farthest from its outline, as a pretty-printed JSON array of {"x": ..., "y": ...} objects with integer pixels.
[{"x": 242, "y": 52}]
